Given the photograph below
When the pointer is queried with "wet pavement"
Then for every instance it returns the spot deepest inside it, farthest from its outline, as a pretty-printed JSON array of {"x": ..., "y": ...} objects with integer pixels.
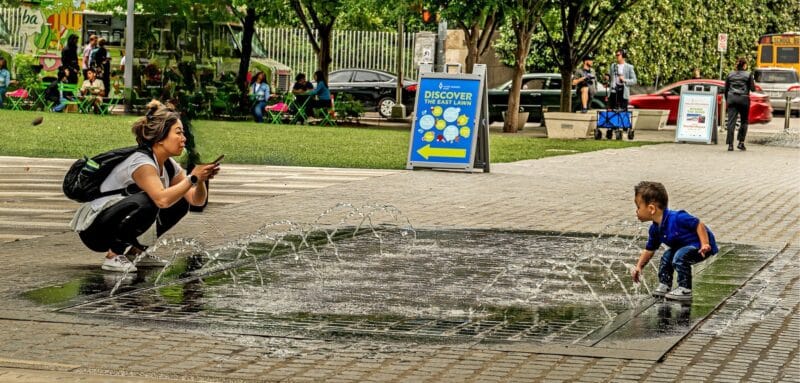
[{"x": 748, "y": 198}]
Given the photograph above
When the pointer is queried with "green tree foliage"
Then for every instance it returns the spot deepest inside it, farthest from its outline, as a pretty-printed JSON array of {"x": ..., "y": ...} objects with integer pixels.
[
  {"x": 523, "y": 16},
  {"x": 583, "y": 24},
  {"x": 666, "y": 39},
  {"x": 319, "y": 15},
  {"x": 477, "y": 19}
]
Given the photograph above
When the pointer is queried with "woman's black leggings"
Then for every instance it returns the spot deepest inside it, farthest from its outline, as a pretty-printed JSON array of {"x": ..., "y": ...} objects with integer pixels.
[
  {"x": 118, "y": 226},
  {"x": 738, "y": 106}
]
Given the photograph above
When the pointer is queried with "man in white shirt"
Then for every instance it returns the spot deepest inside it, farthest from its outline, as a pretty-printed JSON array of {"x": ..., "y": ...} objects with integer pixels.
[
  {"x": 87, "y": 53},
  {"x": 622, "y": 77}
]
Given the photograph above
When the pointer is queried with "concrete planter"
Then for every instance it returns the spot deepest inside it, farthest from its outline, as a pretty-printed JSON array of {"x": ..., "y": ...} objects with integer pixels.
[
  {"x": 521, "y": 119},
  {"x": 570, "y": 125},
  {"x": 651, "y": 119}
]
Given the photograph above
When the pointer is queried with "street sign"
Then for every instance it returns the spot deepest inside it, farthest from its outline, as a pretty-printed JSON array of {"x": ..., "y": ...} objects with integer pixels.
[
  {"x": 722, "y": 42},
  {"x": 448, "y": 122}
]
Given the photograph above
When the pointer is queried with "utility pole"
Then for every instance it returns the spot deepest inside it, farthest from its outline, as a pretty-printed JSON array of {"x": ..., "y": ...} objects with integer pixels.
[
  {"x": 399, "y": 109},
  {"x": 128, "y": 75},
  {"x": 441, "y": 38}
]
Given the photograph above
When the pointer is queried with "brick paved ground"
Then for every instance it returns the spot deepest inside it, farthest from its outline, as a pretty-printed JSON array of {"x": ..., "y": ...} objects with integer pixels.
[{"x": 746, "y": 197}]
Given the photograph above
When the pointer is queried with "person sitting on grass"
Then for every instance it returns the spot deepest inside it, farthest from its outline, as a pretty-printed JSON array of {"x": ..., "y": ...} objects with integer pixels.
[
  {"x": 688, "y": 239},
  {"x": 157, "y": 194},
  {"x": 93, "y": 90}
]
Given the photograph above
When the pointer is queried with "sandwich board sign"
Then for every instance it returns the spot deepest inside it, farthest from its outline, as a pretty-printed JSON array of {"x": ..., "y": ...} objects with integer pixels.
[
  {"x": 697, "y": 114},
  {"x": 450, "y": 127}
]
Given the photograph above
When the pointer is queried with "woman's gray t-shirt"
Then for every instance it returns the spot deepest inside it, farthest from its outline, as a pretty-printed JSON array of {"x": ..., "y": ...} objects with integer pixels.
[{"x": 119, "y": 178}]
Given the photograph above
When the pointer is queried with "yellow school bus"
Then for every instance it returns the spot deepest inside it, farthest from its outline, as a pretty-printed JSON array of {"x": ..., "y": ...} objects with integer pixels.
[{"x": 779, "y": 50}]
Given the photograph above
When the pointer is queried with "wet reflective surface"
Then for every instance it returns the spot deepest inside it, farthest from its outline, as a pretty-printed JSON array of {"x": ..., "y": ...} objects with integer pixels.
[{"x": 454, "y": 286}]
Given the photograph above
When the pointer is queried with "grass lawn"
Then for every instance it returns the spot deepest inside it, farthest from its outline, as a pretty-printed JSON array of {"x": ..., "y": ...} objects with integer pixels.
[{"x": 74, "y": 135}]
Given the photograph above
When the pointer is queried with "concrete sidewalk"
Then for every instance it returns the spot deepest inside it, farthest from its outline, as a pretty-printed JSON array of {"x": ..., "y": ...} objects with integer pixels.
[{"x": 746, "y": 197}]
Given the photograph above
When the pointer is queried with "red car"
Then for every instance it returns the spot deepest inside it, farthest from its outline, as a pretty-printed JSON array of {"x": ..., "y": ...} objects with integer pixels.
[{"x": 669, "y": 97}]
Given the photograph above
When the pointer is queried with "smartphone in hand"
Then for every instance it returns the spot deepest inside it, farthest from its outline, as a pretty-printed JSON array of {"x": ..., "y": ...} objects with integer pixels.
[{"x": 218, "y": 160}]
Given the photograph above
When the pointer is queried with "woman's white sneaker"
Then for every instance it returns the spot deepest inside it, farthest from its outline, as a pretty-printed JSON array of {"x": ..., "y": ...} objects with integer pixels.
[
  {"x": 146, "y": 260},
  {"x": 119, "y": 263}
]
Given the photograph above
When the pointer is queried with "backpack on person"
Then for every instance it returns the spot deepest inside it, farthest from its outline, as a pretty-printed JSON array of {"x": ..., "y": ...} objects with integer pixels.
[{"x": 83, "y": 179}]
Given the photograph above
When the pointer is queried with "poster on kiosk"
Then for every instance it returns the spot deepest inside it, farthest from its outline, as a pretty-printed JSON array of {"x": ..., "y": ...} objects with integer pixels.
[
  {"x": 697, "y": 114},
  {"x": 449, "y": 129}
]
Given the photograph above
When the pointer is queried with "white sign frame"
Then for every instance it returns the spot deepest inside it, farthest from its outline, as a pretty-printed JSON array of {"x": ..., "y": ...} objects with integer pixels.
[{"x": 697, "y": 114}]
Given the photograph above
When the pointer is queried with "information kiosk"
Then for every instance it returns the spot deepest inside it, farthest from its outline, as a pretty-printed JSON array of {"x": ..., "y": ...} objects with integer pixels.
[
  {"x": 450, "y": 129},
  {"x": 697, "y": 114}
]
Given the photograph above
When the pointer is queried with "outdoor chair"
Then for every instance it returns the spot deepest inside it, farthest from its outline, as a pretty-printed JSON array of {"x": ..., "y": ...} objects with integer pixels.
[
  {"x": 17, "y": 99},
  {"x": 300, "y": 110},
  {"x": 326, "y": 115},
  {"x": 276, "y": 111},
  {"x": 72, "y": 88},
  {"x": 39, "y": 93}
]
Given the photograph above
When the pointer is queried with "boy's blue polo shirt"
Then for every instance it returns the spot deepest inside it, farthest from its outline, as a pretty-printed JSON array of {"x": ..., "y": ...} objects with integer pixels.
[{"x": 678, "y": 229}]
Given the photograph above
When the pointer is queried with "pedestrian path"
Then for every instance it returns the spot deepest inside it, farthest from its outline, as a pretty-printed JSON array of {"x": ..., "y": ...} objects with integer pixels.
[{"x": 32, "y": 204}]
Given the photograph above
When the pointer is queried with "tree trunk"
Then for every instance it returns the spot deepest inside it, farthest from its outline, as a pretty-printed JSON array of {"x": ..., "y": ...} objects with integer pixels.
[
  {"x": 520, "y": 54},
  {"x": 249, "y": 28},
  {"x": 471, "y": 37},
  {"x": 324, "y": 59},
  {"x": 566, "y": 87}
]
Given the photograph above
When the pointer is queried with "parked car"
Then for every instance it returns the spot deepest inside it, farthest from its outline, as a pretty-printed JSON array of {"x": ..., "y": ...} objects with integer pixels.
[
  {"x": 776, "y": 83},
  {"x": 375, "y": 89},
  {"x": 669, "y": 97},
  {"x": 539, "y": 91}
]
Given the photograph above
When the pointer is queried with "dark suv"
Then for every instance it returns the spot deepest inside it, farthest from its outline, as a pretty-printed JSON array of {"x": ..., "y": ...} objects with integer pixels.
[
  {"x": 375, "y": 89},
  {"x": 540, "y": 91}
]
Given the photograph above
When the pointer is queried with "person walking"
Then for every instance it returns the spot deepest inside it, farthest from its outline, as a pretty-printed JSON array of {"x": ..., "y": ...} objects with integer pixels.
[{"x": 738, "y": 86}]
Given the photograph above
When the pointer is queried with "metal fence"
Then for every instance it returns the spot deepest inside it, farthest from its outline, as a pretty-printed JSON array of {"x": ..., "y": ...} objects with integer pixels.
[
  {"x": 349, "y": 49},
  {"x": 10, "y": 21}
]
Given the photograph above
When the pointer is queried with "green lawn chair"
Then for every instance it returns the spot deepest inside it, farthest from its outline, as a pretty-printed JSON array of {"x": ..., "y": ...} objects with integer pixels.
[
  {"x": 300, "y": 110},
  {"x": 326, "y": 115},
  {"x": 75, "y": 91},
  {"x": 40, "y": 91},
  {"x": 16, "y": 100},
  {"x": 277, "y": 110}
]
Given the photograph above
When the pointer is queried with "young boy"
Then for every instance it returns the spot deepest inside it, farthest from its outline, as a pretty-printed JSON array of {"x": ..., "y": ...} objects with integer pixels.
[{"x": 688, "y": 239}]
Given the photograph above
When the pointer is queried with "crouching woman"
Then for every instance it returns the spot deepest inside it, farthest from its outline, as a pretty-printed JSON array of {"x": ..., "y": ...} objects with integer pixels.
[{"x": 157, "y": 194}]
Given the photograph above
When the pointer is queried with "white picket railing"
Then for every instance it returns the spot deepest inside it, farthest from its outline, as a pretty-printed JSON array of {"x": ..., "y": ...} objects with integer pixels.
[
  {"x": 291, "y": 47},
  {"x": 349, "y": 49},
  {"x": 11, "y": 18}
]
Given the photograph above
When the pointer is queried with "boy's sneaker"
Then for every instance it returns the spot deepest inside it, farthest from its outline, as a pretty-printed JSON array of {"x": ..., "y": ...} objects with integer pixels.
[
  {"x": 118, "y": 263},
  {"x": 660, "y": 291},
  {"x": 146, "y": 260},
  {"x": 680, "y": 294}
]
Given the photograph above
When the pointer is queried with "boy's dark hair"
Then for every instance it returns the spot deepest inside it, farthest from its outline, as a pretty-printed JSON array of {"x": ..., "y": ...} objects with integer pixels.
[{"x": 652, "y": 192}]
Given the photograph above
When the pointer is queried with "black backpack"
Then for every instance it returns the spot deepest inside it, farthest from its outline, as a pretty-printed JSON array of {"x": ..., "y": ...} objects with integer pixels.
[{"x": 83, "y": 179}]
